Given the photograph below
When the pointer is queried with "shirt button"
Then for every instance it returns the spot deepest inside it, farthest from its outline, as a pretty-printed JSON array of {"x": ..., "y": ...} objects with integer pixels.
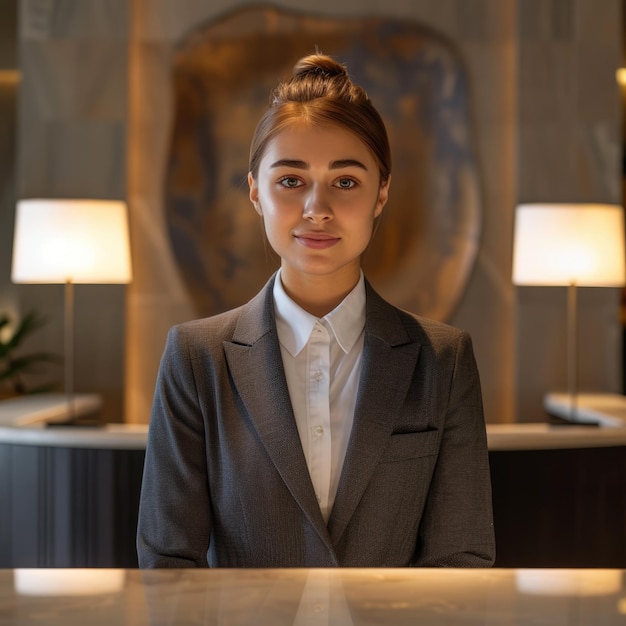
[
  {"x": 319, "y": 431},
  {"x": 318, "y": 375}
]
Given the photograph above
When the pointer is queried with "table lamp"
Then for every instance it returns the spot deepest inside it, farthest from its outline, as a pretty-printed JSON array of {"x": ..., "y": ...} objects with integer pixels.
[
  {"x": 572, "y": 245},
  {"x": 68, "y": 242}
]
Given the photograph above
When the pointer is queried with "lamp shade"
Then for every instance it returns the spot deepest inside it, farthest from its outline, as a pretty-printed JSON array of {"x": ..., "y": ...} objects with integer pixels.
[
  {"x": 79, "y": 241},
  {"x": 569, "y": 244}
]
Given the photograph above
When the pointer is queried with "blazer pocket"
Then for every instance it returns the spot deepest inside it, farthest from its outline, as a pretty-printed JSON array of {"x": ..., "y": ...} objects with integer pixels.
[{"x": 404, "y": 446}]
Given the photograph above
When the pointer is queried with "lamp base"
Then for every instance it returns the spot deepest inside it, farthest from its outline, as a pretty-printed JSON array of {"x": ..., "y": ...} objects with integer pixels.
[
  {"x": 82, "y": 419},
  {"x": 555, "y": 420},
  {"x": 76, "y": 423}
]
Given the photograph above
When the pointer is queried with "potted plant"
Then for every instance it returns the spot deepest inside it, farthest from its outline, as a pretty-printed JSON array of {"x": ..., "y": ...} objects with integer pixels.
[{"x": 16, "y": 365}]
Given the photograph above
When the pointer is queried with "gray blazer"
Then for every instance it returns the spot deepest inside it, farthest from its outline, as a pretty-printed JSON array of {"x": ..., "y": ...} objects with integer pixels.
[{"x": 226, "y": 482}]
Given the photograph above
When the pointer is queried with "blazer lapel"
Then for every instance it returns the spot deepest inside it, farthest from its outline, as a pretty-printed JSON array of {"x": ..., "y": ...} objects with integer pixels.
[
  {"x": 255, "y": 363},
  {"x": 389, "y": 359}
]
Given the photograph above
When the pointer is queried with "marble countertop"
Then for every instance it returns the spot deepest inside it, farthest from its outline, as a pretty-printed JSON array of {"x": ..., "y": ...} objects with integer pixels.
[
  {"x": 37, "y": 409},
  {"x": 544, "y": 436},
  {"x": 26, "y": 420},
  {"x": 23, "y": 422},
  {"x": 316, "y": 597}
]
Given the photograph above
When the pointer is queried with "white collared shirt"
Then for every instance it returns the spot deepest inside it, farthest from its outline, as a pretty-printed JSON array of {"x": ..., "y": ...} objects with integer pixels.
[{"x": 322, "y": 362}]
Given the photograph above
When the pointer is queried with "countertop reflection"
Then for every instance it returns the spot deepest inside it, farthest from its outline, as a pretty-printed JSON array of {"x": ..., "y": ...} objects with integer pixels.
[{"x": 313, "y": 597}]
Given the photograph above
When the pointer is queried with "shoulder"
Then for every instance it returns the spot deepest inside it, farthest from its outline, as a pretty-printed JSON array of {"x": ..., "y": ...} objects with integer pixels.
[
  {"x": 199, "y": 339},
  {"x": 218, "y": 326},
  {"x": 430, "y": 330},
  {"x": 399, "y": 325},
  {"x": 243, "y": 324},
  {"x": 444, "y": 343}
]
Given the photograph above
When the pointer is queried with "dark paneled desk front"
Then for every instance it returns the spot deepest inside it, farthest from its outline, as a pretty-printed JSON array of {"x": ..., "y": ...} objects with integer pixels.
[
  {"x": 70, "y": 496},
  {"x": 560, "y": 508}
]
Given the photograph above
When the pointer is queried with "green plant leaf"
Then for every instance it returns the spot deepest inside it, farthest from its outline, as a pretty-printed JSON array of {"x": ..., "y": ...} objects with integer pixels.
[
  {"x": 47, "y": 388},
  {"x": 27, "y": 364},
  {"x": 4, "y": 321},
  {"x": 12, "y": 367},
  {"x": 31, "y": 322}
]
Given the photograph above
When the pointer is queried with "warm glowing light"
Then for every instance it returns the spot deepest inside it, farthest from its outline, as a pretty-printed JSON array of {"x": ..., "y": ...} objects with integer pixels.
[
  {"x": 561, "y": 582},
  {"x": 67, "y": 582},
  {"x": 569, "y": 244},
  {"x": 63, "y": 255},
  {"x": 10, "y": 77},
  {"x": 82, "y": 241},
  {"x": 620, "y": 76}
]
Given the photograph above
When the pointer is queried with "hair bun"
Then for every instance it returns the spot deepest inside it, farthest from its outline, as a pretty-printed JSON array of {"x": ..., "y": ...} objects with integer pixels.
[
  {"x": 321, "y": 92},
  {"x": 318, "y": 65}
]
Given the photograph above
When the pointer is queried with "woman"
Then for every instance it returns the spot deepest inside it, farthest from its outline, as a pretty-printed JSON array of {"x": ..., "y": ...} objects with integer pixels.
[{"x": 317, "y": 425}]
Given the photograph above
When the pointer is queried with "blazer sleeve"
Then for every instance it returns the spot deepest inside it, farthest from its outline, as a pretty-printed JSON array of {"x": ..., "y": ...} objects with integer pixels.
[
  {"x": 457, "y": 526},
  {"x": 175, "y": 510}
]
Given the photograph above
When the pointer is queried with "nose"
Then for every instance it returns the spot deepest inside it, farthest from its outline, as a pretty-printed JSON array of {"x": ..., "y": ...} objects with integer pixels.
[{"x": 317, "y": 207}]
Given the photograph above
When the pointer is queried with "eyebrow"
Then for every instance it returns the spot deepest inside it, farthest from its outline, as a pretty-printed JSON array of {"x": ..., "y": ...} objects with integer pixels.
[{"x": 334, "y": 165}]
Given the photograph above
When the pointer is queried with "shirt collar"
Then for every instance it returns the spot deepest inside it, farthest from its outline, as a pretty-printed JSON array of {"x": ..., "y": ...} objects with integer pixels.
[{"x": 295, "y": 325}]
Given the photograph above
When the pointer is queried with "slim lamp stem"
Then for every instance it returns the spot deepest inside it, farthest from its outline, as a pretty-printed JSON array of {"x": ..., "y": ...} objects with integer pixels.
[
  {"x": 69, "y": 347},
  {"x": 572, "y": 349}
]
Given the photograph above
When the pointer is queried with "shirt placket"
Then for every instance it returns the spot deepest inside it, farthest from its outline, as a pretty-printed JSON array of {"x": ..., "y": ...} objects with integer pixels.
[{"x": 318, "y": 414}]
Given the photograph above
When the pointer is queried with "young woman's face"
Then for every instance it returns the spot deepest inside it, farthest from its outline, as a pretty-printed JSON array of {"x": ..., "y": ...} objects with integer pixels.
[{"x": 318, "y": 190}]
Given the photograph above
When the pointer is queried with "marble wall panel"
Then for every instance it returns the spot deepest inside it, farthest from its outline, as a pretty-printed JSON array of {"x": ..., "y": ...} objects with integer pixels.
[
  {"x": 74, "y": 79},
  {"x": 602, "y": 156},
  {"x": 568, "y": 151},
  {"x": 553, "y": 148},
  {"x": 600, "y": 101},
  {"x": 68, "y": 19},
  {"x": 8, "y": 144},
  {"x": 487, "y": 62},
  {"x": 478, "y": 21},
  {"x": 73, "y": 119},
  {"x": 9, "y": 86},
  {"x": 72, "y": 143},
  {"x": 572, "y": 163},
  {"x": 8, "y": 35},
  {"x": 596, "y": 22},
  {"x": 74, "y": 159},
  {"x": 548, "y": 82},
  {"x": 546, "y": 20},
  {"x": 542, "y": 320}
]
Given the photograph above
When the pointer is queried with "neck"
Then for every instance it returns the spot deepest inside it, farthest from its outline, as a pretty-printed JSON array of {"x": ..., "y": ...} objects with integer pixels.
[{"x": 318, "y": 295}]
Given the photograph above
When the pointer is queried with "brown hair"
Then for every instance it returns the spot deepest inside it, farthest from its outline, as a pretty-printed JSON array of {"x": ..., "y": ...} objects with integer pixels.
[{"x": 321, "y": 92}]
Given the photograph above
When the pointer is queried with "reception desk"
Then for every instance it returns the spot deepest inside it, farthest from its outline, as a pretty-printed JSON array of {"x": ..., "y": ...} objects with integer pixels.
[
  {"x": 320, "y": 597},
  {"x": 70, "y": 495}
]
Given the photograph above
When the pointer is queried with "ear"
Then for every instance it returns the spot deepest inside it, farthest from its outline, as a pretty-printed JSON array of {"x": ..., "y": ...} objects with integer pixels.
[
  {"x": 383, "y": 195},
  {"x": 254, "y": 193}
]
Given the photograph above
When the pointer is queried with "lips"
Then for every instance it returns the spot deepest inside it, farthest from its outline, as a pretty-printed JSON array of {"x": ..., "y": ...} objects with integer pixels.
[{"x": 316, "y": 241}]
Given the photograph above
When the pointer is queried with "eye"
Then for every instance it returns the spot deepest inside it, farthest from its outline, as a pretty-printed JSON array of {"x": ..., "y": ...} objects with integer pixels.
[
  {"x": 345, "y": 183},
  {"x": 291, "y": 182}
]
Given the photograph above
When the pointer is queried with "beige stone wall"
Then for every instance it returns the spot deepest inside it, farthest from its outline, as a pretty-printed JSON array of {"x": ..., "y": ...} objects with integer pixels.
[
  {"x": 72, "y": 132},
  {"x": 95, "y": 114},
  {"x": 9, "y": 85},
  {"x": 569, "y": 150},
  {"x": 485, "y": 33}
]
